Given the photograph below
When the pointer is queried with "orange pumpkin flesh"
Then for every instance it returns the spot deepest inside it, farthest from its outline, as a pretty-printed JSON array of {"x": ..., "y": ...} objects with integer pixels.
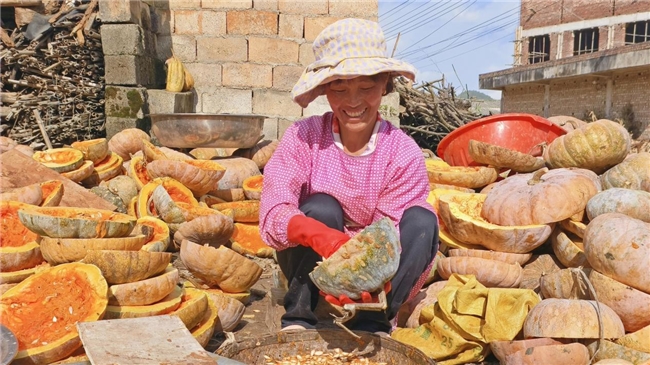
[
  {"x": 246, "y": 239},
  {"x": 18, "y": 246},
  {"x": 253, "y": 187},
  {"x": 52, "y": 193},
  {"x": 138, "y": 171},
  {"x": 94, "y": 150},
  {"x": 160, "y": 239},
  {"x": 60, "y": 159},
  {"x": 82, "y": 173},
  {"x": 177, "y": 191}
]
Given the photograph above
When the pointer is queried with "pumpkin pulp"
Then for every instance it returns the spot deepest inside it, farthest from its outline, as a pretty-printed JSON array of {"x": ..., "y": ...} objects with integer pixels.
[
  {"x": 159, "y": 232},
  {"x": 34, "y": 327},
  {"x": 49, "y": 186},
  {"x": 12, "y": 232},
  {"x": 248, "y": 236}
]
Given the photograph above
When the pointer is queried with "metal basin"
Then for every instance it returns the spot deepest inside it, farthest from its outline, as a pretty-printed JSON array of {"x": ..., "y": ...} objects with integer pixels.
[{"x": 193, "y": 130}]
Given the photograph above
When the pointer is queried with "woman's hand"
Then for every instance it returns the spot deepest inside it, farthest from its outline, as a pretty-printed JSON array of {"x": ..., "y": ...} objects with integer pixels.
[{"x": 312, "y": 233}]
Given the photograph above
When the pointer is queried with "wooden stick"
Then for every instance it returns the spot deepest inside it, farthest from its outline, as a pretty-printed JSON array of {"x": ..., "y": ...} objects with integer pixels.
[
  {"x": 41, "y": 126},
  {"x": 21, "y": 3},
  {"x": 6, "y": 39}
]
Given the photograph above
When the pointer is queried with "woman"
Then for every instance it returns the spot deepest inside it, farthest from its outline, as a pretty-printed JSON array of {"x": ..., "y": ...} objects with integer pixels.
[{"x": 334, "y": 174}]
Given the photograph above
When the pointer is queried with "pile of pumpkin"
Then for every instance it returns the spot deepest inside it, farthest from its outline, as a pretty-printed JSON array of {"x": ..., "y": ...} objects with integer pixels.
[
  {"x": 121, "y": 261},
  {"x": 573, "y": 225}
]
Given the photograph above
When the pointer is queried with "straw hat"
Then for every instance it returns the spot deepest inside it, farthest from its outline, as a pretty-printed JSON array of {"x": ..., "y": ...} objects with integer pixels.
[{"x": 346, "y": 49}]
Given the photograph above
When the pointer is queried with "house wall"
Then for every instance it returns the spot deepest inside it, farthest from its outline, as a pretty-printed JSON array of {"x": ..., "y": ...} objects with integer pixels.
[{"x": 541, "y": 13}]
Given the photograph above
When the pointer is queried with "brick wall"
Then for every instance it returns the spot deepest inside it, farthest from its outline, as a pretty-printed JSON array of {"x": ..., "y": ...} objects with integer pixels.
[
  {"x": 632, "y": 88},
  {"x": 541, "y": 13},
  {"x": 577, "y": 97},
  {"x": 523, "y": 99}
]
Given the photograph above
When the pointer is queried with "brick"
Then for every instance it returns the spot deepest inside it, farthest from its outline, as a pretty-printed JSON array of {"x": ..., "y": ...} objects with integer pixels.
[
  {"x": 319, "y": 106},
  {"x": 145, "y": 16},
  {"x": 306, "y": 55},
  {"x": 272, "y": 50},
  {"x": 184, "y": 4},
  {"x": 270, "y": 128},
  {"x": 313, "y": 26},
  {"x": 275, "y": 103},
  {"x": 252, "y": 22},
  {"x": 185, "y": 47},
  {"x": 284, "y": 77},
  {"x": 164, "y": 102},
  {"x": 622, "y": 7},
  {"x": 265, "y": 5},
  {"x": 538, "y": 13},
  {"x": 305, "y": 7},
  {"x": 227, "y": 4},
  {"x": 224, "y": 100},
  {"x": 290, "y": 26},
  {"x": 120, "y": 11},
  {"x": 129, "y": 70},
  {"x": 122, "y": 39},
  {"x": 125, "y": 102},
  {"x": 161, "y": 22},
  {"x": 187, "y": 22},
  {"x": 214, "y": 22},
  {"x": 578, "y": 10},
  {"x": 205, "y": 74},
  {"x": 215, "y": 49},
  {"x": 356, "y": 8},
  {"x": 283, "y": 124},
  {"x": 116, "y": 125},
  {"x": 163, "y": 46},
  {"x": 248, "y": 75}
]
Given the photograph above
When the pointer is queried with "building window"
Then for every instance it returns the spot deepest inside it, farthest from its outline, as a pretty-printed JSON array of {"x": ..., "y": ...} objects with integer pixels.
[
  {"x": 539, "y": 49},
  {"x": 637, "y": 32},
  {"x": 585, "y": 41}
]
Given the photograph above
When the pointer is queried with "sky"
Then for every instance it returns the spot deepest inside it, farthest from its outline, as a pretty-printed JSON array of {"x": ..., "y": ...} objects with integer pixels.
[{"x": 437, "y": 36}]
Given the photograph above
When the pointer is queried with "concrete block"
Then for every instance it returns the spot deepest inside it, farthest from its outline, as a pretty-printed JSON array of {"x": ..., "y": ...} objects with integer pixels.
[
  {"x": 163, "y": 46},
  {"x": 319, "y": 106},
  {"x": 122, "y": 39},
  {"x": 356, "y": 8},
  {"x": 272, "y": 50},
  {"x": 283, "y": 124},
  {"x": 270, "y": 128},
  {"x": 265, "y": 5},
  {"x": 216, "y": 49},
  {"x": 225, "y": 100},
  {"x": 389, "y": 108},
  {"x": 306, "y": 54},
  {"x": 161, "y": 22},
  {"x": 129, "y": 70},
  {"x": 125, "y": 102},
  {"x": 313, "y": 26},
  {"x": 305, "y": 7},
  {"x": 187, "y": 22},
  {"x": 145, "y": 16},
  {"x": 115, "y": 125},
  {"x": 214, "y": 22},
  {"x": 247, "y": 75},
  {"x": 184, "y": 47},
  {"x": 275, "y": 103},
  {"x": 150, "y": 44},
  {"x": 227, "y": 4},
  {"x": 184, "y": 4},
  {"x": 284, "y": 77},
  {"x": 290, "y": 26},
  {"x": 205, "y": 74},
  {"x": 120, "y": 11},
  {"x": 163, "y": 102},
  {"x": 252, "y": 22}
]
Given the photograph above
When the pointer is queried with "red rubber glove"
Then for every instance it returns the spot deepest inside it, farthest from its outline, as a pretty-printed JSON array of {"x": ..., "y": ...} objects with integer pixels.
[
  {"x": 343, "y": 299},
  {"x": 312, "y": 233}
]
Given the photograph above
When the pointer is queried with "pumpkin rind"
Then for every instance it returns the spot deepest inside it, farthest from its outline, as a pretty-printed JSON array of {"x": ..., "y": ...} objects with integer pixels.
[
  {"x": 214, "y": 229},
  {"x": 204, "y": 330},
  {"x": 144, "y": 292},
  {"x": 82, "y": 173},
  {"x": 52, "y": 193},
  {"x": 462, "y": 216},
  {"x": 629, "y": 174},
  {"x": 596, "y": 146},
  {"x": 561, "y": 354},
  {"x": 69, "y": 283},
  {"x": 556, "y": 318},
  {"x": 631, "y": 305},
  {"x": 151, "y": 152},
  {"x": 246, "y": 240},
  {"x": 237, "y": 170},
  {"x": 253, "y": 187},
  {"x": 364, "y": 263},
  {"x": 138, "y": 171},
  {"x": 127, "y": 142},
  {"x": 542, "y": 197},
  {"x": 567, "y": 122},
  {"x": 119, "y": 266},
  {"x": 220, "y": 267},
  {"x": 106, "y": 169},
  {"x": 243, "y": 297},
  {"x": 619, "y": 246},
  {"x": 63, "y": 250},
  {"x": 245, "y": 211},
  {"x": 535, "y": 269},
  {"x": 501, "y": 349},
  {"x": 230, "y": 311},
  {"x": 19, "y": 249},
  {"x": 490, "y": 273},
  {"x": 509, "y": 258},
  {"x": 575, "y": 227},
  {"x": 229, "y": 195},
  {"x": 467, "y": 177},
  {"x": 199, "y": 176},
  {"x": 177, "y": 192},
  {"x": 123, "y": 186},
  {"x": 260, "y": 153},
  {"x": 497, "y": 156},
  {"x": 60, "y": 159},
  {"x": 568, "y": 249},
  {"x": 638, "y": 340},
  {"x": 67, "y": 222},
  {"x": 165, "y": 306},
  {"x": 193, "y": 306},
  {"x": 94, "y": 150},
  {"x": 564, "y": 284},
  {"x": 610, "y": 350},
  {"x": 633, "y": 203},
  {"x": 160, "y": 239}
]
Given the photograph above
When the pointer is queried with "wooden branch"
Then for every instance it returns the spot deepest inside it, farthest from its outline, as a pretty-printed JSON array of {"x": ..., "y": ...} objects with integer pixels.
[
  {"x": 6, "y": 38},
  {"x": 20, "y": 3},
  {"x": 41, "y": 126}
]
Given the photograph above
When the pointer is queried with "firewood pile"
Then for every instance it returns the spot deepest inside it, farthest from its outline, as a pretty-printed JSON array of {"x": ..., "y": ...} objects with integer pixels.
[
  {"x": 431, "y": 111},
  {"x": 52, "y": 74}
]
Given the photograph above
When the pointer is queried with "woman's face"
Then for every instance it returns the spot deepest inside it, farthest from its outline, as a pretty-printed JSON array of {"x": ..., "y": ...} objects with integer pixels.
[{"x": 355, "y": 102}]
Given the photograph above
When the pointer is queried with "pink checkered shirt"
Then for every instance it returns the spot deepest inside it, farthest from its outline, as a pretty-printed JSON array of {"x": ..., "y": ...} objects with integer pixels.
[{"x": 381, "y": 184}]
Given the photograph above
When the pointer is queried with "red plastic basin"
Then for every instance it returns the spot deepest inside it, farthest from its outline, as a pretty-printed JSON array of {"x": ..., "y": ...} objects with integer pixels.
[{"x": 516, "y": 131}]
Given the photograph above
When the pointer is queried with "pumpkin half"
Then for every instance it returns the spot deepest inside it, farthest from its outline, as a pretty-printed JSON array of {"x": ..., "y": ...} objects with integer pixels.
[
  {"x": 63, "y": 250},
  {"x": 245, "y": 211},
  {"x": 165, "y": 306},
  {"x": 177, "y": 192},
  {"x": 467, "y": 177},
  {"x": 119, "y": 267},
  {"x": 60, "y": 159},
  {"x": 94, "y": 150},
  {"x": 494, "y": 155},
  {"x": 200, "y": 176},
  {"x": 42, "y": 310},
  {"x": 364, "y": 263},
  {"x": 204, "y": 330},
  {"x": 144, "y": 292},
  {"x": 246, "y": 240},
  {"x": 52, "y": 193},
  {"x": 19, "y": 248},
  {"x": 629, "y": 174},
  {"x": 159, "y": 240},
  {"x": 253, "y": 187}
]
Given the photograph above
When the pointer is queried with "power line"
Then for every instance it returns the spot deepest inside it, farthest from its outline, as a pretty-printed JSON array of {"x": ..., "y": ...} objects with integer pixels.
[
  {"x": 393, "y": 9},
  {"x": 400, "y": 19},
  {"x": 415, "y": 25},
  {"x": 473, "y": 49},
  {"x": 391, "y": 28}
]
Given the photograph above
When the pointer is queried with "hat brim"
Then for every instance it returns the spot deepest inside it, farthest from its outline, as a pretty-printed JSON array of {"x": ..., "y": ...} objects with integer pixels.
[{"x": 312, "y": 83}]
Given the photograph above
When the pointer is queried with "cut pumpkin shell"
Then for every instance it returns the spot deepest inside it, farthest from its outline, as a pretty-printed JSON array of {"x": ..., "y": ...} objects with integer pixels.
[
  {"x": 242, "y": 297},
  {"x": 63, "y": 250},
  {"x": 537, "y": 267},
  {"x": 165, "y": 306},
  {"x": 106, "y": 169},
  {"x": 568, "y": 249},
  {"x": 572, "y": 353},
  {"x": 119, "y": 267},
  {"x": 564, "y": 284},
  {"x": 510, "y": 258},
  {"x": 501, "y": 349},
  {"x": 159, "y": 240},
  {"x": 245, "y": 211},
  {"x": 215, "y": 230},
  {"x": 60, "y": 159},
  {"x": 253, "y": 187},
  {"x": 204, "y": 330},
  {"x": 447, "y": 241},
  {"x": 144, "y": 292},
  {"x": 501, "y": 157},
  {"x": 462, "y": 216},
  {"x": 230, "y": 311},
  {"x": 576, "y": 227},
  {"x": 637, "y": 340},
  {"x": 364, "y": 263},
  {"x": 177, "y": 192},
  {"x": 82, "y": 173},
  {"x": 229, "y": 195},
  {"x": 246, "y": 240},
  {"x": 19, "y": 248},
  {"x": 94, "y": 150},
  {"x": 467, "y": 177},
  {"x": 200, "y": 176},
  {"x": 138, "y": 171},
  {"x": 151, "y": 152},
  {"x": 67, "y": 222},
  {"x": 14, "y": 277},
  {"x": 490, "y": 273},
  {"x": 52, "y": 193},
  {"x": 194, "y": 304},
  {"x": 606, "y": 350}
]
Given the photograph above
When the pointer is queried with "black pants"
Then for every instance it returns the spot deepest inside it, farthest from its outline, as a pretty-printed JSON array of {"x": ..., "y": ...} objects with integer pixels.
[{"x": 419, "y": 240}]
